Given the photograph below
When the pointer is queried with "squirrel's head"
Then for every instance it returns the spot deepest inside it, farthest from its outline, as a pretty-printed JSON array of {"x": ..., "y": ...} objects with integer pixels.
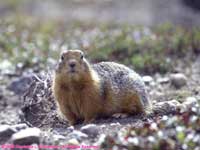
[{"x": 72, "y": 64}]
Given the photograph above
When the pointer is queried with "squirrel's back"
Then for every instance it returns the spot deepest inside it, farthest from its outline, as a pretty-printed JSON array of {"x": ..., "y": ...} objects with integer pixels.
[{"x": 122, "y": 81}]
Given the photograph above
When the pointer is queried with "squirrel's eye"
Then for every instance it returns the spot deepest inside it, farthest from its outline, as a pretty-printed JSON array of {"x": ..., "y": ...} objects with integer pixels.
[
  {"x": 82, "y": 56},
  {"x": 62, "y": 57}
]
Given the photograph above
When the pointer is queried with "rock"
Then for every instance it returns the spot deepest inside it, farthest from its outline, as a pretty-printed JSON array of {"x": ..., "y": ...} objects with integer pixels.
[
  {"x": 6, "y": 67},
  {"x": 77, "y": 135},
  {"x": 90, "y": 129},
  {"x": 19, "y": 127},
  {"x": 115, "y": 124},
  {"x": 133, "y": 140},
  {"x": 163, "y": 80},
  {"x": 188, "y": 103},
  {"x": 73, "y": 142},
  {"x": 20, "y": 85},
  {"x": 101, "y": 139},
  {"x": 166, "y": 107},
  {"x": 34, "y": 147},
  {"x": 27, "y": 137},
  {"x": 154, "y": 126},
  {"x": 178, "y": 80},
  {"x": 6, "y": 132},
  {"x": 147, "y": 79},
  {"x": 71, "y": 128},
  {"x": 57, "y": 137},
  {"x": 103, "y": 126}
]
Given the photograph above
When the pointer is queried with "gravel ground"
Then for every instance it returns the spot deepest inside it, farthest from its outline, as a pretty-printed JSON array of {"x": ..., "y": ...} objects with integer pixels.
[{"x": 55, "y": 131}]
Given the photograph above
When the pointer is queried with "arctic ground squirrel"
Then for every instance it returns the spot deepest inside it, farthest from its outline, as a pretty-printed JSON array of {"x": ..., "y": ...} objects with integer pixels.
[{"x": 85, "y": 91}]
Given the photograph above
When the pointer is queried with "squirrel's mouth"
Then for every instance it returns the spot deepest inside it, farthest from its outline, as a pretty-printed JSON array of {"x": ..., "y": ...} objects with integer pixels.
[{"x": 72, "y": 71}]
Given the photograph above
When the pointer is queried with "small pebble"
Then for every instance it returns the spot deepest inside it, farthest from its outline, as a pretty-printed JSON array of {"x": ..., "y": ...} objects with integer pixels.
[
  {"x": 188, "y": 103},
  {"x": 191, "y": 101},
  {"x": 19, "y": 127},
  {"x": 34, "y": 147},
  {"x": 115, "y": 124},
  {"x": 103, "y": 126},
  {"x": 178, "y": 80},
  {"x": 90, "y": 129},
  {"x": 73, "y": 142},
  {"x": 71, "y": 128},
  {"x": 133, "y": 140},
  {"x": 58, "y": 137},
  {"x": 101, "y": 139},
  {"x": 147, "y": 79},
  {"x": 77, "y": 135},
  {"x": 163, "y": 80}
]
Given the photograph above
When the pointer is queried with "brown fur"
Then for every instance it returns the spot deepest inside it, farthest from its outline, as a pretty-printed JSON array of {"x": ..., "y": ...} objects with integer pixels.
[
  {"x": 78, "y": 94},
  {"x": 77, "y": 98}
]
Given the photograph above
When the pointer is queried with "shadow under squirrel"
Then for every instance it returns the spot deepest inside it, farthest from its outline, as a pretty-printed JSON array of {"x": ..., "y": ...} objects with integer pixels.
[{"x": 85, "y": 91}]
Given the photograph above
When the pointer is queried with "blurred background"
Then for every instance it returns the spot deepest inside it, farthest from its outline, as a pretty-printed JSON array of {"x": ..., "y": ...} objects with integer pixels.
[
  {"x": 32, "y": 32},
  {"x": 143, "y": 12}
]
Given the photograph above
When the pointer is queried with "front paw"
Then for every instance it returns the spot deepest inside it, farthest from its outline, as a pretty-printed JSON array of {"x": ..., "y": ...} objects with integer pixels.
[
  {"x": 72, "y": 122},
  {"x": 120, "y": 115}
]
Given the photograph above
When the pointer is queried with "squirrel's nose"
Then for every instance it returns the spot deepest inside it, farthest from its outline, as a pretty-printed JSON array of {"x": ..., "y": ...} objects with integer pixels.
[{"x": 72, "y": 65}]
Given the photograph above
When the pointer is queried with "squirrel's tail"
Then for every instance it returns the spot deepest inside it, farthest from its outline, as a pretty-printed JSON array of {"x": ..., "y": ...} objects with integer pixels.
[{"x": 146, "y": 104}]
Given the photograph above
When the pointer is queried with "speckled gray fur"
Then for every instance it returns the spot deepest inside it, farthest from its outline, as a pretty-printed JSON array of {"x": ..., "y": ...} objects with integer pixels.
[{"x": 121, "y": 80}]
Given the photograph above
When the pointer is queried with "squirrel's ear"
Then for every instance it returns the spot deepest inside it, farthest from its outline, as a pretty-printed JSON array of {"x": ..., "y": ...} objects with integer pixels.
[
  {"x": 62, "y": 57},
  {"x": 64, "y": 51},
  {"x": 82, "y": 54}
]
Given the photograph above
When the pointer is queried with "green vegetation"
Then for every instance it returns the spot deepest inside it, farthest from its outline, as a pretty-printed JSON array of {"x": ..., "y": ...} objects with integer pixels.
[
  {"x": 28, "y": 42},
  {"x": 180, "y": 131}
]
